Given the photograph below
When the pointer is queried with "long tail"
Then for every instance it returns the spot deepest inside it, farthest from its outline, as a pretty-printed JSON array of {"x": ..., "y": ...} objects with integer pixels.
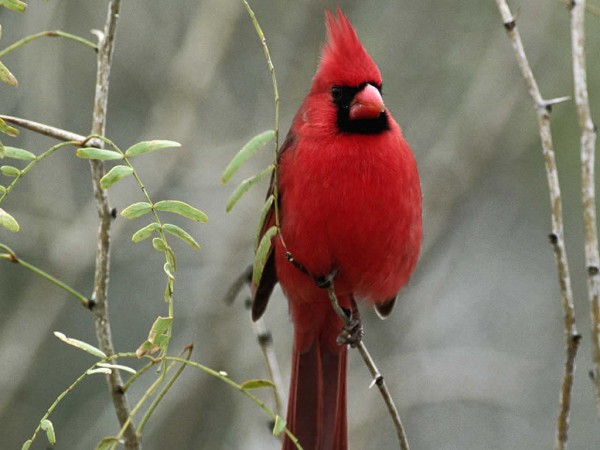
[{"x": 317, "y": 401}]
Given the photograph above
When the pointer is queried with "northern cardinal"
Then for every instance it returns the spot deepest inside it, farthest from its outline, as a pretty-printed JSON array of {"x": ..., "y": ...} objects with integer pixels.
[{"x": 349, "y": 203}]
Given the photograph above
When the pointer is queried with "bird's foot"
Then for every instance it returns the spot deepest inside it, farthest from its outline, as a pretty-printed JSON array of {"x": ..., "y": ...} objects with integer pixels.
[
  {"x": 325, "y": 281},
  {"x": 352, "y": 333}
]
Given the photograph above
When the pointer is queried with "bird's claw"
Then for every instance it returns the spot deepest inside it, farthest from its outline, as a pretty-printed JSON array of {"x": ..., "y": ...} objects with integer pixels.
[
  {"x": 325, "y": 281},
  {"x": 352, "y": 333}
]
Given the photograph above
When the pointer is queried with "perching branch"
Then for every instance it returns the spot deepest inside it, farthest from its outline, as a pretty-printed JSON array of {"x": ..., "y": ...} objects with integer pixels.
[
  {"x": 588, "y": 188},
  {"x": 377, "y": 377},
  {"x": 542, "y": 109},
  {"x": 99, "y": 296}
]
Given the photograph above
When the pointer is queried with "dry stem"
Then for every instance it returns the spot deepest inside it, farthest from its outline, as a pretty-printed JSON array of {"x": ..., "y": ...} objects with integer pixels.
[
  {"x": 377, "y": 377},
  {"x": 588, "y": 188},
  {"x": 557, "y": 236},
  {"x": 99, "y": 296}
]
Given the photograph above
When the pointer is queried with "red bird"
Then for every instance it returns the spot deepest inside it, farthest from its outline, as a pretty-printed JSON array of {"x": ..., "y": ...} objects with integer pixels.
[{"x": 349, "y": 203}]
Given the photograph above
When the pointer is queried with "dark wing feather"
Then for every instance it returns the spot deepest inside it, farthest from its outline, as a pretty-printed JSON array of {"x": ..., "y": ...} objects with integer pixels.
[
  {"x": 262, "y": 291},
  {"x": 385, "y": 309}
]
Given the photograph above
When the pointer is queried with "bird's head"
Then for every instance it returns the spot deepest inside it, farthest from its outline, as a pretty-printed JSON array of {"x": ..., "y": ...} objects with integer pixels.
[{"x": 347, "y": 84}]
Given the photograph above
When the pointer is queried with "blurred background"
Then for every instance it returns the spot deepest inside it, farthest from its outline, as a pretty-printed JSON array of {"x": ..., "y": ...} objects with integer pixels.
[{"x": 474, "y": 351}]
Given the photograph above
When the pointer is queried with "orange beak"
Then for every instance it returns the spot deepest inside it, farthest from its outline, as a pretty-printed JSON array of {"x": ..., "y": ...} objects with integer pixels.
[{"x": 367, "y": 104}]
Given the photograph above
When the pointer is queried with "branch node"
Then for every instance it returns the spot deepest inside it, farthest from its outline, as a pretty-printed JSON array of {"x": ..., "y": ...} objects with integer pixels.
[
  {"x": 91, "y": 303},
  {"x": 510, "y": 25},
  {"x": 298, "y": 265},
  {"x": 120, "y": 389},
  {"x": 593, "y": 270},
  {"x": 265, "y": 338}
]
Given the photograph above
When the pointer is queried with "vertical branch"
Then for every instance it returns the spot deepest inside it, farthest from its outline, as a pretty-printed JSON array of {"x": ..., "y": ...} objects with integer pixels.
[
  {"x": 542, "y": 108},
  {"x": 99, "y": 297},
  {"x": 588, "y": 188}
]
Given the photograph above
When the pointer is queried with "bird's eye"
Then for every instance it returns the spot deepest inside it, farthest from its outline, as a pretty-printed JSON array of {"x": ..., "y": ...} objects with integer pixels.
[{"x": 336, "y": 93}]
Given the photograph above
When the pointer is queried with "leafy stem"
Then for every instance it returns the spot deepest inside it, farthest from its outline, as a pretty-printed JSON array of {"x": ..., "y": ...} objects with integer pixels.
[
  {"x": 50, "y": 33},
  {"x": 265, "y": 47},
  {"x": 32, "y": 164},
  {"x": 11, "y": 256}
]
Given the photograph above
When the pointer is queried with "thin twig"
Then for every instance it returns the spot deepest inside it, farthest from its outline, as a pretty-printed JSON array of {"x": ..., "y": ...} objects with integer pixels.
[
  {"x": 51, "y": 33},
  {"x": 264, "y": 338},
  {"x": 99, "y": 296},
  {"x": 588, "y": 188},
  {"x": 240, "y": 387},
  {"x": 43, "y": 129},
  {"x": 377, "y": 377},
  {"x": 557, "y": 236},
  {"x": 595, "y": 10},
  {"x": 11, "y": 256}
]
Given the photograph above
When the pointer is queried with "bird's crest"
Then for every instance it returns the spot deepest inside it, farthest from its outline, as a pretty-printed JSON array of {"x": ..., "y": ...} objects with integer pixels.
[{"x": 344, "y": 60}]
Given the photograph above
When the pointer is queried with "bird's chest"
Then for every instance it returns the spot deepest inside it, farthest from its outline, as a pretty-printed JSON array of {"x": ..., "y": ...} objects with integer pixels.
[{"x": 350, "y": 208}]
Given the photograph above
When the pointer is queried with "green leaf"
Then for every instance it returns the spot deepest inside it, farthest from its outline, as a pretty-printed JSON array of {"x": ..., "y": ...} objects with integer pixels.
[
  {"x": 181, "y": 234},
  {"x": 7, "y": 77},
  {"x": 18, "y": 153},
  {"x": 107, "y": 443},
  {"x": 168, "y": 269},
  {"x": 157, "y": 338},
  {"x": 159, "y": 245},
  {"x": 7, "y": 129},
  {"x": 10, "y": 171},
  {"x": 145, "y": 233},
  {"x": 8, "y": 221},
  {"x": 27, "y": 444},
  {"x": 136, "y": 210},
  {"x": 147, "y": 348},
  {"x": 2, "y": 189},
  {"x": 117, "y": 367},
  {"x": 14, "y": 5},
  {"x": 263, "y": 216},
  {"x": 255, "y": 384},
  {"x": 160, "y": 326},
  {"x": 115, "y": 174},
  {"x": 262, "y": 252},
  {"x": 47, "y": 426},
  {"x": 181, "y": 208},
  {"x": 246, "y": 185},
  {"x": 253, "y": 145},
  {"x": 149, "y": 146},
  {"x": 98, "y": 153},
  {"x": 1, "y": 150},
  {"x": 279, "y": 426},
  {"x": 102, "y": 370},
  {"x": 81, "y": 345}
]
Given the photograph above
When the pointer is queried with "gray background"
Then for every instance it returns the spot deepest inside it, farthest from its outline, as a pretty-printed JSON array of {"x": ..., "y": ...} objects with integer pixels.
[{"x": 474, "y": 351}]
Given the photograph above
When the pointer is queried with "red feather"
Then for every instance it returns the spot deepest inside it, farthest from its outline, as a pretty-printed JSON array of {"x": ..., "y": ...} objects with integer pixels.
[{"x": 349, "y": 202}]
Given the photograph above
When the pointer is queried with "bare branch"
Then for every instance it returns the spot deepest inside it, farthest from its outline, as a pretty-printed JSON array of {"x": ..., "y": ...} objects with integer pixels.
[
  {"x": 377, "y": 377},
  {"x": 46, "y": 130},
  {"x": 99, "y": 296},
  {"x": 557, "y": 235},
  {"x": 588, "y": 188},
  {"x": 263, "y": 336}
]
